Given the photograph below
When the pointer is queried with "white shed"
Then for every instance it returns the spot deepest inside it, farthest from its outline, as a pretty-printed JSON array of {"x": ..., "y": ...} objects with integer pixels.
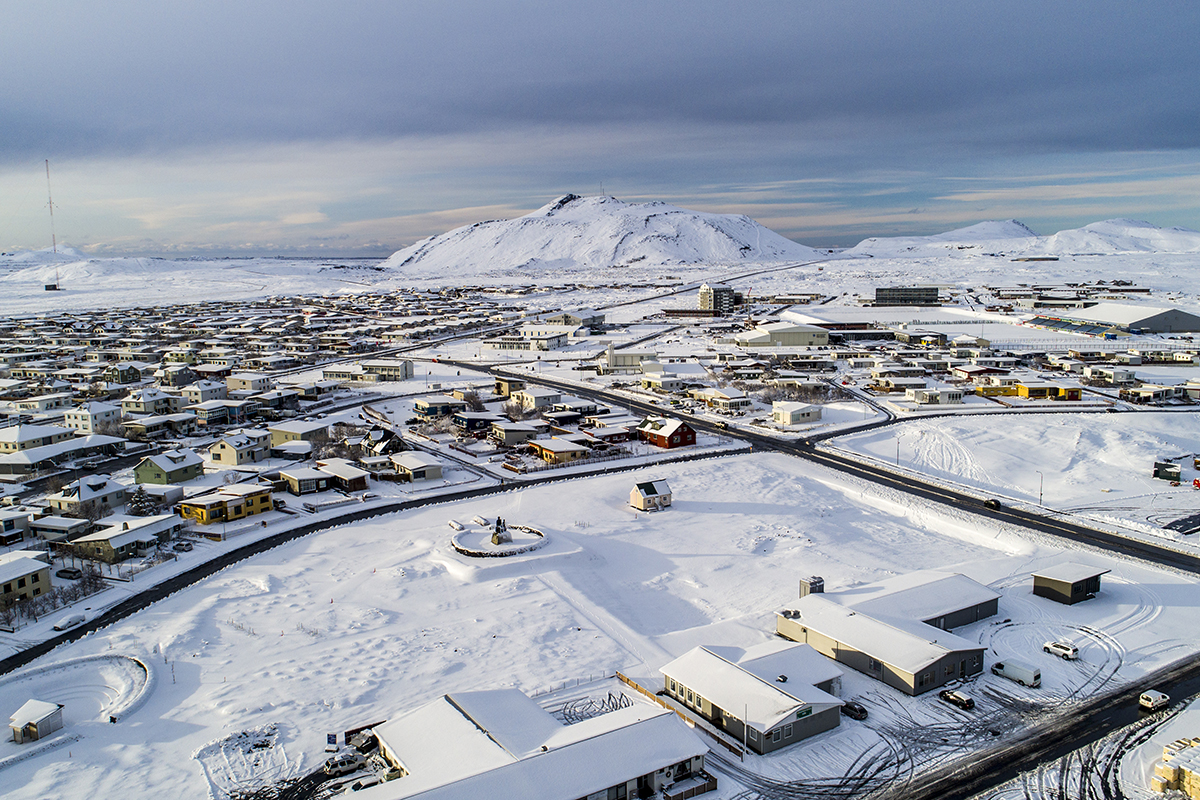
[{"x": 786, "y": 412}]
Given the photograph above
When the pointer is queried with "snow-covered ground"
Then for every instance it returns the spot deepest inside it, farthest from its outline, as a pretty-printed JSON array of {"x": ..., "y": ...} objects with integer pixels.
[
  {"x": 1093, "y": 465},
  {"x": 355, "y": 624}
]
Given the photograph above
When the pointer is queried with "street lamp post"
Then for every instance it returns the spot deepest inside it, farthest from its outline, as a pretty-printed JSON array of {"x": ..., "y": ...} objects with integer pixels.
[{"x": 1041, "y": 483}]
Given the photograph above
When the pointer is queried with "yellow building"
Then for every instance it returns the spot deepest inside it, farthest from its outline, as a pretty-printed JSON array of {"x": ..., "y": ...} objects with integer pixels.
[{"x": 230, "y": 504}]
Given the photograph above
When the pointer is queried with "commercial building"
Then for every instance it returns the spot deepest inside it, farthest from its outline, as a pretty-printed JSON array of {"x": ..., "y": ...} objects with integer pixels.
[
  {"x": 907, "y": 296},
  {"x": 768, "y": 696},
  {"x": 718, "y": 298}
]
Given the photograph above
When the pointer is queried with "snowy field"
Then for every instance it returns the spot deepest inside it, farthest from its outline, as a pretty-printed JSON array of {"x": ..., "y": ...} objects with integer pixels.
[
  {"x": 350, "y": 626},
  {"x": 1092, "y": 465}
]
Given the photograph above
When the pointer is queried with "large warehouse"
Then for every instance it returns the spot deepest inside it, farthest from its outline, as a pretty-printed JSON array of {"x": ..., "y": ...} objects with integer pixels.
[
  {"x": 1119, "y": 317},
  {"x": 896, "y": 630}
]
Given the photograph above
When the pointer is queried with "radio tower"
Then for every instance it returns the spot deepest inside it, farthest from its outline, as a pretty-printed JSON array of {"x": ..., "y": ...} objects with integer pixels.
[{"x": 50, "y": 202}]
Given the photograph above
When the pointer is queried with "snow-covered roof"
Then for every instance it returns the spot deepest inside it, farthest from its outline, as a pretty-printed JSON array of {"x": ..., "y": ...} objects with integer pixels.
[
  {"x": 499, "y": 744},
  {"x": 906, "y": 644},
  {"x": 23, "y": 433},
  {"x": 170, "y": 460},
  {"x": 1111, "y": 313},
  {"x": 917, "y": 595},
  {"x": 20, "y": 567},
  {"x": 412, "y": 461},
  {"x": 32, "y": 712},
  {"x": 762, "y": 698},
  {"x": 1070, "y": 572}
]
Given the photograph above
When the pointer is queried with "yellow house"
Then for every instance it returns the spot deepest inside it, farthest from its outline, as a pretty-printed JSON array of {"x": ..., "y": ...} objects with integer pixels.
[{"x": 230, "y": 504}]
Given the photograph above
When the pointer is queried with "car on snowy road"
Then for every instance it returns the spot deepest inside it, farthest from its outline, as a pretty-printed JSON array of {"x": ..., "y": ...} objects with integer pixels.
[{"x": 1064, "y": 650}]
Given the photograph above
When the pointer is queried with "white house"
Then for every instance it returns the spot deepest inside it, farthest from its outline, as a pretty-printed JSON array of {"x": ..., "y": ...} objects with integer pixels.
[
  {"x": 88, "y": 417},
  {"x": 787, "y": 412},
  {"x": 650, "y": 496},
  {"x": 94, "y": 491}
]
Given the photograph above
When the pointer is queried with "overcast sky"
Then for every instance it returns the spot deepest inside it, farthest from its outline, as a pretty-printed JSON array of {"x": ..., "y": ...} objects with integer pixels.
[{"x": 359, "y": 127}]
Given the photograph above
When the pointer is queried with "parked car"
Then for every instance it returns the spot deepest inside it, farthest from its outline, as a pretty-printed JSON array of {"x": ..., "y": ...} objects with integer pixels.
[
  {"x": 344, "y": 764},
  {"x": 1018, "y": 671},
  {"x": 957, "y": 698},
  {"x": 71, "y": 573},
  {"x": 1064, "y": 650},
  {"x": 854, "y": 710},
  {"x": 183, "y": 547},
  {"x": 1153, "y": 700},
  {"x": 70, "y": 621},
  {"x": 361, "y": 783}
]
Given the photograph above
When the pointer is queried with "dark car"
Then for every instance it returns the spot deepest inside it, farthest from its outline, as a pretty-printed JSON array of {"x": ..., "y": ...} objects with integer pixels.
[
  {"x": 957, "y": 698},
  {"x": 993, "y": 504},
  {"x": 72, "y": 573},
  {"x": 854, "y": 710}
]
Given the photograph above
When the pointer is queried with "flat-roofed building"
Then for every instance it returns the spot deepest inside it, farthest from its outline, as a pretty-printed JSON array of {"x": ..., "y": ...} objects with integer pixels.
[{"x": 1069, "y": 582}]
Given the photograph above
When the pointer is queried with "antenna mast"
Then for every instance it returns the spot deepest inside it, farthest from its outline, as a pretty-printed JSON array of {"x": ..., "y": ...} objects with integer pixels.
[{"x": 50, "y": 202}]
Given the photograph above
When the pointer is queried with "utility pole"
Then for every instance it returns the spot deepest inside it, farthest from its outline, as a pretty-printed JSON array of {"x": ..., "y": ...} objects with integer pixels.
[
  {"x": 1041, "y": 483},
  {"x": 50, "y": 202}
]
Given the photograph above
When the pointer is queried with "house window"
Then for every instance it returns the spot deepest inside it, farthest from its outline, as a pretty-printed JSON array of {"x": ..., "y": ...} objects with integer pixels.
[
  {"x": 36, "y": 578},
  {"x": 949, "y": 669},
  {"x": 672, "y": 686},
  {"x": 874, "y": 665},
  {"x": 689, "y": 690},
  {"x": 753, "y": 735},
  {"x": 216, "y": 456},
  {"x": 926, "y": 678},
  {"x": 699, "y": 701},
  {"x": 21, "y": 585},
  {"x": 787, "y": 731},
  {"x": 776, "y": 735}
]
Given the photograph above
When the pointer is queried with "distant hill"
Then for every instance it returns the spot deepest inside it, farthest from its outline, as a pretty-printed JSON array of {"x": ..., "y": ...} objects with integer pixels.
[
  {"x": 1010, "y": 237},
  {"x": 576, "y": 233}
]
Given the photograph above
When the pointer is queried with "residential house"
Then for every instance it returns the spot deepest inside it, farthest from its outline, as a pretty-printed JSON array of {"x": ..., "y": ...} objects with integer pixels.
[
  {"x": 344, "y": 475},
  {"x": 666, "y": 433},
  {"x": 16, "y": 438},
  {"x": 240, "y": 447},
  {"x": 91, "y": 416},
  {"x": 14, "y": 524},
  {"x": 23, "y": 578},
  {"x": 169, "y": 466},
  {"x": 558, "y": 451},
  {"x": 127, "y": 538},
  {"x": 229, "y": 504},
  {"x": 511, "y": 434},
  {"x": 58, "y": 529},
  {"x": 247, "y": 383},
  {"x": 437, "y": 405},
  {"x": 298, "y": 431},
  {"x": 500, "y": 743},
  {"x": 650, "y": 496},
  {"x": 93, "y": 494},
  {"x": 787, "y": 412},
  {"x": 416, "y": 466},
  {"x": 181, "y": 424},
  {"x": 203, "y": 391},
  {"x": 151, "y": 401},
  {"x": 306, "y": 480},
  {"x": 535, "y": 397}
]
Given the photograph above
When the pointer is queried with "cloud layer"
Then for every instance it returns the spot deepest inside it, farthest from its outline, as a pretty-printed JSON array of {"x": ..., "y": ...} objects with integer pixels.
[{"x": 242, "y": 125}]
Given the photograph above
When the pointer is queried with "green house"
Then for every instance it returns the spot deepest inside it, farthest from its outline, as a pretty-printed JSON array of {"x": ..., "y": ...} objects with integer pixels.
[{"x": 170, "y": 466}]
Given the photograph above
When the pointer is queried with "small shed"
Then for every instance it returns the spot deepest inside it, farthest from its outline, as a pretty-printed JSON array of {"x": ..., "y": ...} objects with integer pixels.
[
  {"x": 1167, "y": 470},
  {"x": 1068, "y": 583},
  {"x": 35, "y": 720},
  {"x": 650, "y": 496}
]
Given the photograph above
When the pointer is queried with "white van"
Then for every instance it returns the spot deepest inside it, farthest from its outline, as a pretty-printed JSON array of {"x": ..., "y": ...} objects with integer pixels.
[
  {"x": 1017, "y": 671},
  {"x": 1152, "y": 700}
]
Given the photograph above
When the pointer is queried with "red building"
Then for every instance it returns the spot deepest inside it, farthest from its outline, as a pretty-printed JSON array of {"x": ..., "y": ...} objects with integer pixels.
[{"x": 663, "y": 432}]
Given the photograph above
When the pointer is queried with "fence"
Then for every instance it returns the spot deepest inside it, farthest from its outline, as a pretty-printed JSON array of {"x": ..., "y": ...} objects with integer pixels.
[
  {"x": 697, "y": 785},
  {"x": 637, "y": 687}
]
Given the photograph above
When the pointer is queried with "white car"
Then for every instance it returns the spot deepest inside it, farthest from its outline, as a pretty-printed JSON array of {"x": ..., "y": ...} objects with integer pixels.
[
  {"x": 1064, "y": 650},
  {"x": 1152, "y": 700},
  {"x": 70, "y": 621},
  {"x": 344, "y": 764}
]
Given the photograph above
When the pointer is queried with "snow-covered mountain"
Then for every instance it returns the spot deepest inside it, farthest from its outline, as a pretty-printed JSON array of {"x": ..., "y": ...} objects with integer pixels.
[
  {"x": 1122, "y": 236},
  {"x": 589, "y": 233},
  {"x": 1010, "y": 237}
]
